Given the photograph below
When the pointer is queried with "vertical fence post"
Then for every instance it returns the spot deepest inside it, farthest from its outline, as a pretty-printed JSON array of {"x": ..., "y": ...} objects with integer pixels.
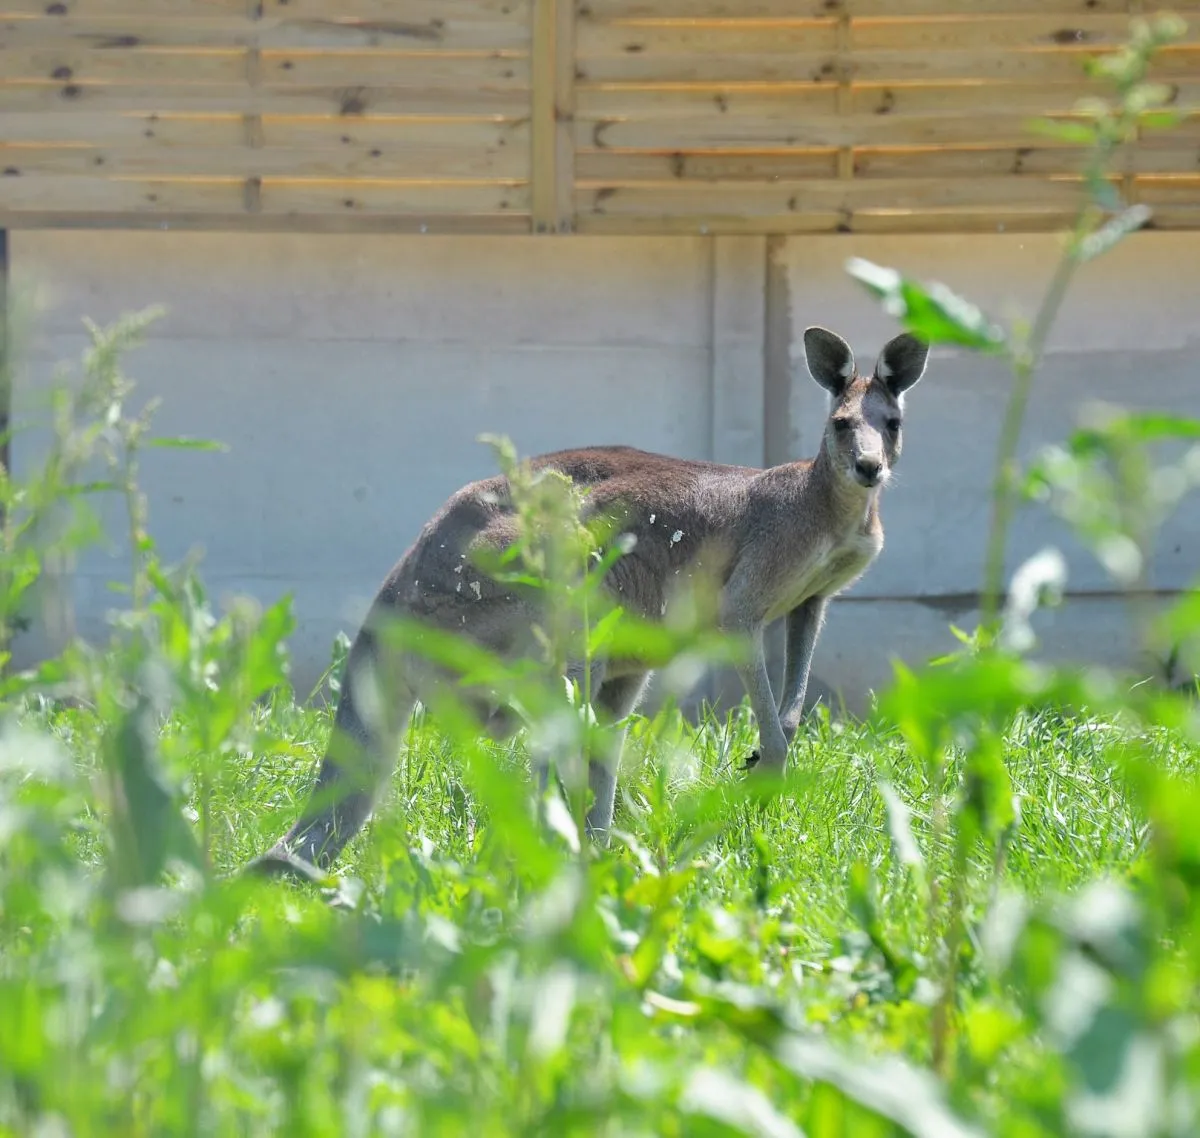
[
  {"x": 6, "y": 360},
  {"x": 552, "y": 114}
]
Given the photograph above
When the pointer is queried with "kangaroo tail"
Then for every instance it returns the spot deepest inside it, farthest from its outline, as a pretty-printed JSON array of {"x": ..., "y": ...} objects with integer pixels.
[{"x": 360, "y": 759}]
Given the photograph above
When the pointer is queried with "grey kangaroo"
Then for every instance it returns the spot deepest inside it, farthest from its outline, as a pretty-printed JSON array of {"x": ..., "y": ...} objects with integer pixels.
[{"x": 780, "y": 542}]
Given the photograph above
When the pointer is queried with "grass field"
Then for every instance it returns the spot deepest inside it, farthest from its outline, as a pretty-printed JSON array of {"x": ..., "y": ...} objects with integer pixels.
[{"x": 482, "y": 974}]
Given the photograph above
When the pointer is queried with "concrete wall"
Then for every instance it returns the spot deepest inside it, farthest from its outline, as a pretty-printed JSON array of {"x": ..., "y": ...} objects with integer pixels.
[{"x": 350, "y": 378}]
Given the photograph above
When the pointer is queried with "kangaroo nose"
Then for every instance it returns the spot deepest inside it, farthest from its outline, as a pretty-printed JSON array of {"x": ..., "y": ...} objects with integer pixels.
[{"x": 868, "y": 470}]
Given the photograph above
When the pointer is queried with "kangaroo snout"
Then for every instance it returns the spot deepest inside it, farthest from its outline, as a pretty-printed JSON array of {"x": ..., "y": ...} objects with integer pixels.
[{"x": 868, "y": 471}]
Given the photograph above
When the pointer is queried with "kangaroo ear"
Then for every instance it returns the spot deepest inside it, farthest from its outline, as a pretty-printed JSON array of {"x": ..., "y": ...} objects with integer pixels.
[
  {"x": 829, "y": 358},
  {"x": 902, "y": 363}
]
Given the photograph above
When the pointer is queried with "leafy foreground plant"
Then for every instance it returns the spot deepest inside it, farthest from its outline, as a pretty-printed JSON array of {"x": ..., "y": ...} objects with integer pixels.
[
  {"x": 996, "y": 938},
  {"x": 1090, "y": 975}
]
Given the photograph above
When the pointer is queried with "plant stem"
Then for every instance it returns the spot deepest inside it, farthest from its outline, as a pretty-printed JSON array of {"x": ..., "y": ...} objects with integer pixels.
[{"x": 1004, "y": 495}]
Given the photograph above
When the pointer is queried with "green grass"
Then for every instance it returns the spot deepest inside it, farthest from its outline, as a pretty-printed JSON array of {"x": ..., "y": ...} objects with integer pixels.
[{"x": 468, "y": 981}]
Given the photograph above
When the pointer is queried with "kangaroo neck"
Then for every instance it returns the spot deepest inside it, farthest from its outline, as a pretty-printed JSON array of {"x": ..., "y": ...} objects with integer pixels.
[{"x": 857, "y": 505}]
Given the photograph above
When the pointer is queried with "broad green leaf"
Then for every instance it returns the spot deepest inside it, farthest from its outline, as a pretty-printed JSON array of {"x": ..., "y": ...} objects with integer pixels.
[{"x": 932, "y": 312}]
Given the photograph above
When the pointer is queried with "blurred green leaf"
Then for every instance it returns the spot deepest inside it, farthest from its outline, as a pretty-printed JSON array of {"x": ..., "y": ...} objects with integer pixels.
[
  {"x": 932, "y": 312},
  {"x": 181, "y": 442},
  {"x": 1063, "y": 130}
]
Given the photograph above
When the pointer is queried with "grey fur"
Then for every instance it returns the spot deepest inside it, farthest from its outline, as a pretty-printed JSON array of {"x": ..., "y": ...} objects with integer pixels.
[{"x": 780, "y": 543}]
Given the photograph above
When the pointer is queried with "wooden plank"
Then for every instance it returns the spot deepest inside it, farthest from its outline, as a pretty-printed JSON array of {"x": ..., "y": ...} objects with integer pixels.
[
  {"x": 74, "y": 65},
  {"x": 964, "y": 219},
  {"x": 119, "y": 32},
  {"x": 1180, "y": 193},
  {"x": 416, "y": 12},
  {"x": 667, "y": 224},
  {"x": 138, "y": 9},
  {"x": 646, "y": 43},
  {"x": 1087, "y": 32},
  {"x": 1175, "y": 217},
  {"x": 891, "y": 162},
  {"x": 110, "y": 33},
  {"x": 972, "y": 95},
  {"x": 442, "y": 132},
  {"x": 92, "y": 129},
  {"x": 602, "y": 10},
  {"x": 717, "y": 66},
  {"x": 781, "y": 199},
  {"x": 243, "y": 161},
  {"x": 431, "y": 71},
  {"x": 50, "y": 193},
  {"x": 712, "y": 104},
  {"x": 243, "y": 222},
  {"x": 782, "y": 132},
  {"x": 311, "y": 196},
  {"x": 638, "y": 166},
  {"x": 937, "y": 162},
  {"x": 348, "y": 102},
  {"x": 279, "y": 196}
]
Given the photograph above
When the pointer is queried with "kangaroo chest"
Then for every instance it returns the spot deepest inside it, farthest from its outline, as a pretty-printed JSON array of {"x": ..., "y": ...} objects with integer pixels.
[{"x": 830, "y": 566}]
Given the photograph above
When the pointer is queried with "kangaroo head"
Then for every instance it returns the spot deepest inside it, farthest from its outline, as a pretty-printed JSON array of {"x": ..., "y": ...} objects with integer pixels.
[{"x": 862, "y": 434}]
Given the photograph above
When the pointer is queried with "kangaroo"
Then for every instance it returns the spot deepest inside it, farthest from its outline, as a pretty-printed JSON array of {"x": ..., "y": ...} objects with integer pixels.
[{"x": 780, "y": 542}]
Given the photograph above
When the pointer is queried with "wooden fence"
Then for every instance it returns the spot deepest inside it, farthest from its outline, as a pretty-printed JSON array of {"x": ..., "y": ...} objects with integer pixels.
[{"x": 600, "y": 116}]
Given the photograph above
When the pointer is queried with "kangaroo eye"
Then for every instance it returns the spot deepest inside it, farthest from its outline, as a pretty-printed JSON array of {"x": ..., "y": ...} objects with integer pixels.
[{"x": 893, "y": 425}]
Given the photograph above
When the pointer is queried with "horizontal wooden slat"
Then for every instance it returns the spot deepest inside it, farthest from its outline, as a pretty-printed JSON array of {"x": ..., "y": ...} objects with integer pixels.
[
  {"x": 962, "y": 219},
  {"x": 139, "y": 9},
  {"x": 784, "y": 198},
  {"x": 349, "y": 102},
  {"x": 243, "y": 222},
  {"x": 861, "y": 66},
  {"x": 398, "y": 11},
  {"x": 72, "y": 65},
  {"x": 707, "y": 105},
  {"x": 443, "y": 133},
  {"x": 785, "y": 131},
  {"x": 98, "y": 129},
  {"x": 405, "y": 161},
  {"x": 428, "y": 71},
  {"x": 414, "y": 12},
  {"x": 602, "y": 10},
  {"x": 930, "y": 162},
  {"x": 117, "y": 33},
  {"x": 381, "y": 197},
  {"x": 767, "y": 37},
  {"x": 713, "y": 101},
  {"x": 999, "y": 33},
  {"x": 647, "y": 43},
  {"x": 624, "y": 166},
  {"x": 939, "y": 162},
  {"x": 968, "y": 96},
  {"x": 278, "y": 196},
  {"x": 176, "y": 68},
  {"x": 1176, "y": 191},
  {"x": 51, "y": 194}
]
